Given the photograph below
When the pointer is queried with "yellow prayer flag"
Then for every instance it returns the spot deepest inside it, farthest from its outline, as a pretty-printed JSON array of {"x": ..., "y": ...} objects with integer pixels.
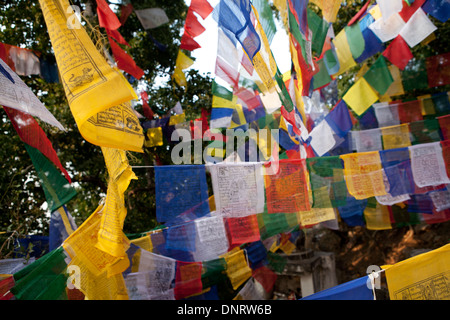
[
  {"x": 360, "y": 96},
  {"x": 99, "y": 96},
  {"x": 330, "y": 8},
  {"x": 423, "y": 277},
  {"x": 144, "y": 242},
  {"x": 155, "y": 137},
  {"x": 363, "y": 174},
  {"x": 343, "y": 52},
  {"x": 377, "y": 218},
  {"x": 238, "y": 270},
  {"x": 110, "y": 235},
  {"x": 178, "y": 118},
  {"x": 395, "y": 136},
  {"x": 375, "y": 12},
  {"x": 183, "y": 62}
]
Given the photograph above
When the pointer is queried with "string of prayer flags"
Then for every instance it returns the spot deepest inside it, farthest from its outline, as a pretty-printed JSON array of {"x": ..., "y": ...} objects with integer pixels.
[
  {"x": 20, "y": 97},
  {"x": 98, "y": 95},
  {"x": 428, "y": 166},
  {"x": 238, "y": 188},
  {"x": 421, "y": 277},
  {"x": 286, "y": 190},
  {"x": 363, "y": 174},
  {"x": 181, "y": 192}
]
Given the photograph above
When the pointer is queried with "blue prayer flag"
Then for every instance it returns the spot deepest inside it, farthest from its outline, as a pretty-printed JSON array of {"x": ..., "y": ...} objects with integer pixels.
[{"x": 353, "y": 290}]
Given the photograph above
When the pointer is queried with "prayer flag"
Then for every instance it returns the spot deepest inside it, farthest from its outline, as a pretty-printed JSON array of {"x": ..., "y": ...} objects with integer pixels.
[
  {"x": 357, "y": 289},
  {"x": 360, "y": 96},
  {"x": 151, "y": 18},
  {"x": 398, "y": 52},
  {"x": 421, "y": 277},
  {"x": 378, "y": 76},
  {"x": 98, "y": 95},
  {"x": 181, "y": 191},
  {"x": 106, "y": 17},
  {"x": 417, "y": 28}
]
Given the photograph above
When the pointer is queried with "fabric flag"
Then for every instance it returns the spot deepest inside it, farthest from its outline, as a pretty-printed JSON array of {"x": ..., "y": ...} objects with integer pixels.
[
  {"x": 409, "y": 111},
  {"x": 25, "y": 61},
  {"x": 192, "y": 26},
  {"x": 415, "y": 76},
  {"x": 387, "y": 114},
  {"x": 322, "y": 138},
  {"x": 424, "y": 131},
  {"x": 21, "y": 98},
  {"x": 117, "y": 36},
  {"x": 378, "y": 76},
  {"x": 181, "y": 192},
  {"x": 396, "y": 87},
  {"x": 428, "y": 165},
  {"x": 444, "y": 123},
  {"x": 409, "y": 9},
  {"x": 372, "y": 44},
  {"x": 188, "y": 279},
  {"x": 151, "y": 18},
  {"x": 389, "y": 7},
  {"x": 237, "y": 268},
  {"x": 440, "y": 9},
  {"x": 438, "y": 70},
  {"x": 396, "y": 136},
  {"x": 445, "y": 145},
  {"x": 202, "y": 7},
  {"x": 319, "y": 29},
  {"x": 125, "y": 11},
  {"x": 360, "y": 96},
  {"x": 62, "y": 225},
  {"x": 287, "y": 191},
  {"x": 377, "y": 217},
  {"x": 339, "y": 119},
  {"x": 387, "y": 29},
  {"x": 58, "y": 191},
  {"x": 367, "y": 140},
  {"x": 358, "y": 289},
  {"x": 32, "y": 134},
  {"x": 398, "y": 52},
  {"x": 343, "y": 51},
  {"x": 417, "y": 28},
  {"x": 266, "y": 277},
  {"x": 359, "y": 14},
  {"x": 355, "y": 40},
  {"x": 98, "y": 95},
  {"x": 422, "y": 277},
  {"x": 106, "y": 17},
  {"x": 329, "y": 8},
  {"x": 363, "y": 174},
  {"x": 242, "y": 230},
  {"x": 45, "y": 279},
  {"x": 183, "y": 62},
  {"x": 148, "y": 112},
  {"x": 238, "y": 188},
  {"x": 124, "y": 61},
  {"x": 188, "y": 43},
  {"x": 223, "y": 105}
]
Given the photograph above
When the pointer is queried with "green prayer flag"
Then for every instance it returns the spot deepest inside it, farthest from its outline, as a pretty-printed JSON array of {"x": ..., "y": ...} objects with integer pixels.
[
  {"x": 379, "y": 76},
  {"x": 355, "y": 40},
  {"x": 266, "y": 18},
  {"x": 57, "y": 189},
  {"x": 319, "y": 28},
  {"x": 414, "y": 76},
  {"x": 322, "y": 77}
]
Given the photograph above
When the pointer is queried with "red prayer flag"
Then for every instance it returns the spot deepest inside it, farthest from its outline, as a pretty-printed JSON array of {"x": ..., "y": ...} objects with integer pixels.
[
  {"x": 115, "y": 34},
  {"x": 192, "y": 26},
  {"x": 287, "y": 190},
  {"x": 398, "y": 52},
  {"x": 188, "y": 279},
  {"x": 444, "y": 123},
  {"x": 226, "y": 72},
  {"x": 438, "y": 70},
  {"x": 125, "y": 12},
  {"x": 32, "y": 134},
  {"x": 265, "y": 277},
  {"x": 242, "y": 230},
  {"x": 410, "y": 111},
  {"x": 124, "y": 61},
  {"x": 408, "y": 10},
  {"x": 148, "y": 112},
  {"x": 106, "y": 17},
  {"x": 188, "y": 43},
  {"x": 445, "y": 144},
  {"x": 360, "y": 13},
  {"x": 202, "y": 7}
]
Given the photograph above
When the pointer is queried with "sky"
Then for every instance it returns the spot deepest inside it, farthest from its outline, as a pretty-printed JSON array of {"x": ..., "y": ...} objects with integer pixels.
[{"x": 205, "y": 57}]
